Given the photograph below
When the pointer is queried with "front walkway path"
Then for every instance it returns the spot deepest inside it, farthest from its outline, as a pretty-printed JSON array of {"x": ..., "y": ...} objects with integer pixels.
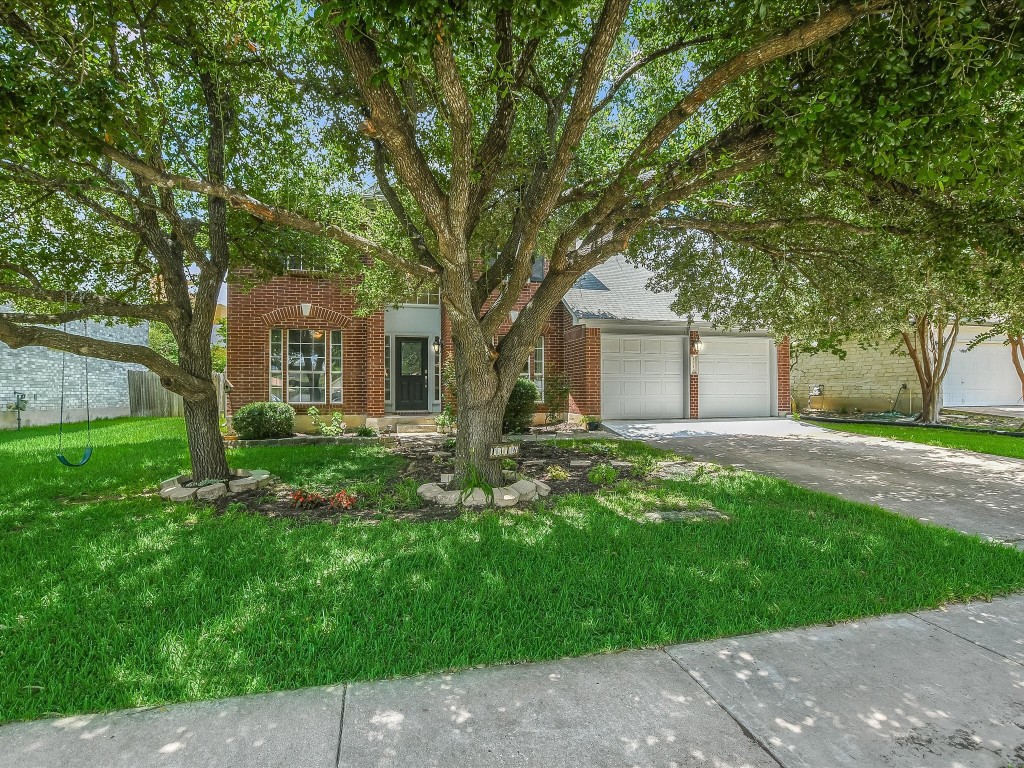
[{"x": 937, "y": 688}]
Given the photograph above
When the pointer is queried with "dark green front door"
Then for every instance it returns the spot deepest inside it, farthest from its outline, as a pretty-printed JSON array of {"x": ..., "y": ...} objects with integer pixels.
[{"x": 411, "y": 364}]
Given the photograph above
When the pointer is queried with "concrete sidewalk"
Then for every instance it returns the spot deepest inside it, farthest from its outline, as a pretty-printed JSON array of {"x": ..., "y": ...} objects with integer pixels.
[{"x": 938, "y": 688}]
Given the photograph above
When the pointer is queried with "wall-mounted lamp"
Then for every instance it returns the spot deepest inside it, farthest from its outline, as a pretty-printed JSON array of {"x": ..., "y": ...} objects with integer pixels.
[
  {"x": 306, "y": 309},
  {"x": 437, "y": 345},
  {"x": 696, "y": 344}
]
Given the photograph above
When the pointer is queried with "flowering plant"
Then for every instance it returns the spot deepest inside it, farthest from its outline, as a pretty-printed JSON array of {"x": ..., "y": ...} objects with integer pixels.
[
  {"x": 342, "y": 500},
  {"x": 302, "y": 498}
]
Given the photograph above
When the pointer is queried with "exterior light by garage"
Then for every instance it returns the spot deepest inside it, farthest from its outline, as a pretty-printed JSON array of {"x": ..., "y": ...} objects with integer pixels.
[
  {"x": 437, "y": 345},
  {"x": 696, "y": 344}
]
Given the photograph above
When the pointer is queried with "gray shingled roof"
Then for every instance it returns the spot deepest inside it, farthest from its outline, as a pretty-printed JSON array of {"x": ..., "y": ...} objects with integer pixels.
[{"x": 617, "y": 290}]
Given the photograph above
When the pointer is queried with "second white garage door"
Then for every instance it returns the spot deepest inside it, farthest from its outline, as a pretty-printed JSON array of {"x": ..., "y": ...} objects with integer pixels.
[
  {"x": 735, "y": 378},
  {"x": 981, "y": 376},
  {"x": 642, "y": 377}
]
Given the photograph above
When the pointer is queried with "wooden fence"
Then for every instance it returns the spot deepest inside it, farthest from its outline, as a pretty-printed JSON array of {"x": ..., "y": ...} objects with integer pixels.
[{"x": 147, "y": 397}]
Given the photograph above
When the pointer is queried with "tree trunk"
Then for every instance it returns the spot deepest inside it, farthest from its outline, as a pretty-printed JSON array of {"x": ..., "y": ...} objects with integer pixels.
[
  {"x": 1017, "y": 354},
  {"x": 930, "y": 406},
  {"x": 479, "y": 428},
  {"x": 930, "y": 346},
  {"x": 205, "y": 443}
]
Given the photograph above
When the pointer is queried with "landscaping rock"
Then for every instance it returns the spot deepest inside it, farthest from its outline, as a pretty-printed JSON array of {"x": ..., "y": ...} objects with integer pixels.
[
  {"x": 180, "y": 494},
  {"x": 622, "y": 464},
  {"x": 526, "y": 489},
  {"x": 505, "y": 497},
  {"x": 509, "y": 474},
  {"x": 447, "y": 498},
  {"x": 677, "y": 470},
  {"x": 212, "y": 491},
  {"x": 580, "y": 463},
  {"x": 543, "y": 489},
  {"x": 263, "y": 478},
  {"x": 172, "y": 482},
  {"x": 446, "y": 477},
  {"x": 476, "y": 498},
  {"x": 429, "y": 491},
  {"x": 441, "y": 454},
  {"x": 243, "y": 484}
]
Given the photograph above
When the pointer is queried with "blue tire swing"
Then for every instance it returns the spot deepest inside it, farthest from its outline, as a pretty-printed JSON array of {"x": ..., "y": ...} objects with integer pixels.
[{"x": 88, "y": 421}]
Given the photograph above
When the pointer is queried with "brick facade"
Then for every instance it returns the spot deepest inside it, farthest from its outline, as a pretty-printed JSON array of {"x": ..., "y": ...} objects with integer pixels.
[
  {"x": 784, "y": 374},
  {"x": 694, "y": 379},
  {"x": 277, "y": 303},
  {"x": 582, "y": 361}
]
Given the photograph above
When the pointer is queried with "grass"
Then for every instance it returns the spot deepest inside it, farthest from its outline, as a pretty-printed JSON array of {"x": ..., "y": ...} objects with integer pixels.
[
  {"x": 109, "y": 602},
  {"x": 979, "y": 442}
]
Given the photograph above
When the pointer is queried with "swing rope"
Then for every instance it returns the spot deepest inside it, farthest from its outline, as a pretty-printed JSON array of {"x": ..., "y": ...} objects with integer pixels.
[{"x": 88, "y": 420}]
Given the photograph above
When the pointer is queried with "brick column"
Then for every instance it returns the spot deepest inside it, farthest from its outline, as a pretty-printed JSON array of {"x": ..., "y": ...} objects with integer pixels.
[
  {"x": 375, "y": 365},
  {"x": 694, "y": 385},
  {"x": 784, "y": 375},
  {"x": 583, "y": 369}
]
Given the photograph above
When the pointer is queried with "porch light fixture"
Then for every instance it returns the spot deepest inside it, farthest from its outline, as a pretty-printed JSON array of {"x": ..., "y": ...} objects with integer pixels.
[
  {"x": 696, "y": 344},
  {"x": 437, "y": 345},
  {"x": 306, "y": 309}
]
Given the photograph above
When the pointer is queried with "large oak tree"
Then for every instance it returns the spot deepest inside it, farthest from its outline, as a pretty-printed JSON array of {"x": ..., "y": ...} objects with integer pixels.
[{"x": 495, "y": 133}]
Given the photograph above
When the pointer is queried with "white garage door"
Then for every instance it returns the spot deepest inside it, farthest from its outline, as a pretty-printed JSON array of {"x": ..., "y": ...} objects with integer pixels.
[
  {"x": 642, "y": 377},
  {"x": 735, "y": 378},
  {"x": 982, "y": 376}
]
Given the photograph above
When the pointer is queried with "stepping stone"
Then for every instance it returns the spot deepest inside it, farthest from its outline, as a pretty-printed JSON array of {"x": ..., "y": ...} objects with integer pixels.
[
  {"x": 448, "y": 498},
  {"x": 580, "y": 463},
  {"x": 172, "y": 482},
  {"x": 505, "y": 497},
  {"x": 212, "y": 491},
  {"x": 446, "y": 478},
  {"x": 476, "y": 498},
  {"x": 526, "y": 489},
  {"x": 622, "y": 464},
  {"x": 429, "y": 491},
  {"x": 543, "y": 489}
]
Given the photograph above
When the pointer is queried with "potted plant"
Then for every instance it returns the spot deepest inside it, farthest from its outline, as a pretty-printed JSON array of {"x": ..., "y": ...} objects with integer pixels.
[{"x": 591, "y": 423}]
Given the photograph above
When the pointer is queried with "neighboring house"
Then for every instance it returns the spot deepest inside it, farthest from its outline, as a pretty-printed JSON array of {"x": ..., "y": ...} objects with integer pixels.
[
  {"x": 623, "y": 351},
  {"x": 36, "y": 373},
  {"x": 875, "y": 380}
]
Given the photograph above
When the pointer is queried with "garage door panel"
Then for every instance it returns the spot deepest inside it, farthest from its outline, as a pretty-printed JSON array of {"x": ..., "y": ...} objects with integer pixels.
[
  {"x": 735, "y": 378},
  {"x": 642, "y": 377},
  {"x": 981, "y": 376}
]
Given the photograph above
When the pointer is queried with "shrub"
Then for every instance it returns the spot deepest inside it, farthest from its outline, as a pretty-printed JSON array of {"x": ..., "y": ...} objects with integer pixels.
[
  {"x": 365, "y": 431},
  {"x": 558, "y": 472},
  {"x": 603, "y": 474},
  {"x": 264, "y": 421},
  {"x": 556, "y": 396},
  {"x": 335, "y": 428},
  {"x": 303, "y": 499},
  {"x": 342, "y": 500},
  {"x": 445, "y": 420},
  {"x": 522, "y": 404}
]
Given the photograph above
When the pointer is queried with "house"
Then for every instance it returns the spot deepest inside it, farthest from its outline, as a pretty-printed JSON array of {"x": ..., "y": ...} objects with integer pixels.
[
  {"x": 35, "y": 373},
  {"x": 623, "y": 351},
  {"x": 880, "y": 378}
]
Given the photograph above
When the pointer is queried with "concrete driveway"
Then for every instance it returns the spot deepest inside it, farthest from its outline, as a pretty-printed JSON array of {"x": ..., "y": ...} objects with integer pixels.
[{"x": 970, "y": 492}]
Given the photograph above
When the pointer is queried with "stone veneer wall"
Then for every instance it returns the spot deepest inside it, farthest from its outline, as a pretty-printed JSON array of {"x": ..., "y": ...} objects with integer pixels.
[
  {"x": 36, "y": 372},
  {"x": 867, "y": 380}
]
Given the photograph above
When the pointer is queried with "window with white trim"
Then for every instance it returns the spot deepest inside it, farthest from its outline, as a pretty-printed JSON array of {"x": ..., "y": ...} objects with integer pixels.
[
  {"x": 294, "y": 262},
  {"x": 427, "y": 296},
  {"x": 276, "y": 366},
  {"x": 437, "y": 376},
  {"x": 337, "y": 390},
  {"x": 307, "y": 364},
  {"x": 534, "y": 368}
]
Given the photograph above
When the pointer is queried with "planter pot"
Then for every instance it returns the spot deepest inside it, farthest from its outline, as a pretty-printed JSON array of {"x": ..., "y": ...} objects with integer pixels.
[{"x": 593, "y": 426}]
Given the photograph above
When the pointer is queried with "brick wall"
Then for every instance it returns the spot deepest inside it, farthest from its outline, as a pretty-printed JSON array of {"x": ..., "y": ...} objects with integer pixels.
[
  {"x": 253, "y": 311},
  {"x": 784, "y": 373},
  {"x": 582, "y": 365},
  {"x": 867, "y": 380},
  {"x": 694, "y": 380}
]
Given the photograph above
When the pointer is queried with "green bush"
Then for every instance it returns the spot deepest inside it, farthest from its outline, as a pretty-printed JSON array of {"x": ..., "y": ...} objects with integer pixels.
[
  {"x": 365, "y": 431},
  {"x": 522, "y": 404},
  {"x": 603, "y": 474},
  {"x": 264, "y": 421}
]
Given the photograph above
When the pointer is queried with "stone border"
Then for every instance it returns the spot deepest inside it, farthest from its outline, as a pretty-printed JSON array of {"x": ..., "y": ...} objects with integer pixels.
[
  {"x": 174, "y": 488},
  {"x": 522, "y": 489},
  {"x": 301, "y": 440}
]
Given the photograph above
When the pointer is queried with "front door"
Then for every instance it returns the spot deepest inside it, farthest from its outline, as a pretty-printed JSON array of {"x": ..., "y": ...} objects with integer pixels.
[{"x": 411, "y": 364}]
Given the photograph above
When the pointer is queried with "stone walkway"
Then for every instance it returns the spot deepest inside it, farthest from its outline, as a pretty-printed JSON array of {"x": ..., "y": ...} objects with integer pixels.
[{"x": 937, "y": 688}]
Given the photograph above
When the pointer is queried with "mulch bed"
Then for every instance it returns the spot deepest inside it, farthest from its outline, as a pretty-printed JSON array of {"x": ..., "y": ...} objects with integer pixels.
[
  {"x": 961, "y": 419},
  {"x": 430, "y": 456}
]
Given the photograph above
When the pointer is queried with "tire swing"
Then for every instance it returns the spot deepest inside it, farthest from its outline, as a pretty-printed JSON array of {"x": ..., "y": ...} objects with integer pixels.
[{"x": 88, "y": 422}]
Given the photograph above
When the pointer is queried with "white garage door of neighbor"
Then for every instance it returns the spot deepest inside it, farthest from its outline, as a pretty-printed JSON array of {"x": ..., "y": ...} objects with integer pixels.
[
  {"x": 642, "y": 377},
  {"x": 982, "y": 376},
  {"x": 735, "y": 378}
]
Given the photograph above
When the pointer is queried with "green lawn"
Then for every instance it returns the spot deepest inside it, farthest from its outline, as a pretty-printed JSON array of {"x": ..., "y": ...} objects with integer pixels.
[
  {"x": 981, "y": 442},
  {"x": 109, "y": 599}
]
